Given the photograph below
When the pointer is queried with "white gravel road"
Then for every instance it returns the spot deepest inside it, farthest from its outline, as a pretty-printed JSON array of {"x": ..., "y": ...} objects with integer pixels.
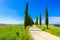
[{"x": 37, "y": 34}]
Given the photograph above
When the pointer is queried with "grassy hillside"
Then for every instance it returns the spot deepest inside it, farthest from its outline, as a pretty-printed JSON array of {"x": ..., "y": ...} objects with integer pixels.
[
  {"x": 9, "y": 32},
  {"x": 52, "y": 29}
]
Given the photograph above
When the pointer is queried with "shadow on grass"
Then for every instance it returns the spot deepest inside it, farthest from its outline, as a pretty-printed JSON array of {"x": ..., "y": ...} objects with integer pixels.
[{"x": 44, "y": 29}]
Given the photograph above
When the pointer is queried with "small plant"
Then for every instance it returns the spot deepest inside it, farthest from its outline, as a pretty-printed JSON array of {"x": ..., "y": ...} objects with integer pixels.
[{"x": 17, "y": 33}]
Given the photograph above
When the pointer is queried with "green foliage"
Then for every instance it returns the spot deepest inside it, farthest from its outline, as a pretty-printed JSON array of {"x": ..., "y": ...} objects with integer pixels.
[
  {"x": 52, "y": 29},
  {"x": 9, "y": 33},
  {"x": 36, "y": 20},
  {"x": 46, "y": 21}
]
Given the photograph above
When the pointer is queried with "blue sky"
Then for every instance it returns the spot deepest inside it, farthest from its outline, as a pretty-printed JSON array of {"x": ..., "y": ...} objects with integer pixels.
[{"x": 12, "y": 11}]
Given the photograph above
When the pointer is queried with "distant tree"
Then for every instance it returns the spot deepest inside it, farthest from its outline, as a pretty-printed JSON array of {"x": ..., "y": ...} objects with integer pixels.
[
  {"x": 26, "y": 16},
  {"x": 36, "y": 20},
  {"x": 40, "y": 19},
  {"x": 46, "y": 21}
]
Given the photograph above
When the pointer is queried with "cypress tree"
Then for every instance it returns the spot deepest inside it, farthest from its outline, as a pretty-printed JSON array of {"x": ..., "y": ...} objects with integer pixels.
[
  {"x": 30, "y": 21},
  {"x": 40, "y": 20},
  {"x": 27, "y": 20},
  {"x": 46, "y": 21},
  {"x": 36, "y": 20},
  {"x": 26, "y": 16}
]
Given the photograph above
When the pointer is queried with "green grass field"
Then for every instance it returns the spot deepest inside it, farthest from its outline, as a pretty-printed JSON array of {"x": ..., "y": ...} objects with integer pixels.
[
  {"x": 9, "y": 32},
  {"x": 52, "y": 29}
]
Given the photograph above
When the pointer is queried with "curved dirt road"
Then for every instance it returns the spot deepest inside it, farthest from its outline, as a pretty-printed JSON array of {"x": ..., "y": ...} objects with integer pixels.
[{"x": 37, "y": 34}]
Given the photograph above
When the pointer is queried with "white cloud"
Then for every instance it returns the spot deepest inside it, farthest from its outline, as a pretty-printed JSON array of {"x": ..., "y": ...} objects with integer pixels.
[
  {"x": 53, "y": 20},
  {"x": 8, "y": 20}
]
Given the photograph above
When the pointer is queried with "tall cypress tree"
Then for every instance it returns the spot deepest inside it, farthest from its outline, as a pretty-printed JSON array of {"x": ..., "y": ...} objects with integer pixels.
[
  {"x": 36, "y": 20},
  {"x": 46, "y": 21},
  {"x": 26, "y": 16},
  {"x": 40, "y": 19}
]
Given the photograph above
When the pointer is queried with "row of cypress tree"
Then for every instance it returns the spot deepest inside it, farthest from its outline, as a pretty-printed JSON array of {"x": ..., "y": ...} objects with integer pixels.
[
  {"x": 40, "y": 19},
  {"x": 28, "y": 20}
]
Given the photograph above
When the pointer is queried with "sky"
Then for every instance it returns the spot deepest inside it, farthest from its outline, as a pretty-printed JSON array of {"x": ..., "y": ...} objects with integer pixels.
[{"x": 12, "y": 11}]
